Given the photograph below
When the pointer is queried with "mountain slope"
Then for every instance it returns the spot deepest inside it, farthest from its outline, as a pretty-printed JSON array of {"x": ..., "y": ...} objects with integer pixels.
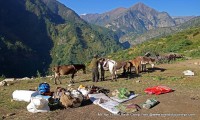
[
  {"x": 186, "y": 42},
  {"x": 132, "y": 23},
  {"x": 35, "y": 34},
  {"x": 62, "y": 11},
  {"x": 160, "y": 32},
  {"x": 20, "y": 26},
  {"x": 136, "y": 19}
]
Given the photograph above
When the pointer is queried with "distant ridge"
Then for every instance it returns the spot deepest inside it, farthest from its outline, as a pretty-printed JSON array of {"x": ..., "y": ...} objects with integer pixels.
[{"x": 136, "y": 20}]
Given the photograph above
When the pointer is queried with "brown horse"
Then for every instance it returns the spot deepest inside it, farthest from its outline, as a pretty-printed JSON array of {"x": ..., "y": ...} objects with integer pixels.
[
  {"x": 147, "y": 60},
  {"x": 128, "y": 66},
  {"x": 137, "y": 64},
  {"x": 67, "y": 69}
]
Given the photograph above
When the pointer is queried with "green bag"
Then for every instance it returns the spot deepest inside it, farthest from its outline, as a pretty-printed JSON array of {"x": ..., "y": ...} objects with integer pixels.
[{"x": 123, "y": 93}]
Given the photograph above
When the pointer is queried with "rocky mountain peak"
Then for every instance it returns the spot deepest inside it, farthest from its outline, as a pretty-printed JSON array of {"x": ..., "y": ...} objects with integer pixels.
[
  {"x": 117, "y": 11},
  {"x": 142, "y": 8}
]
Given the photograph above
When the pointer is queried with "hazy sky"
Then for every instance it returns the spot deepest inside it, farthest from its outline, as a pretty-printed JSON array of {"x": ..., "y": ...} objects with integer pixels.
[{"x": 173, "y": 7}]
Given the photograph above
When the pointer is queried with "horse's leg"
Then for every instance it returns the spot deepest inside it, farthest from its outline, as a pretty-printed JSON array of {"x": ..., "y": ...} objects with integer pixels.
[
  {"x": 55, "y": 80},
  {"x": 111, "y": 72},
  {"x": 137, "y": 69},
  {"x": 103, "y": 75},
  {"x": 115, "y": 73},
  {"x": 142, "y": 67},
  {"x": 59, "y": 79},
  {"x": 112, "y": 77},
  {"x": 145, "y": 67},
  {"x": 124, "y": 71},
  {"x": 129, "y": 69},
  {"x": 72, "y": 78},
  {"x": 55, "y": 77}
]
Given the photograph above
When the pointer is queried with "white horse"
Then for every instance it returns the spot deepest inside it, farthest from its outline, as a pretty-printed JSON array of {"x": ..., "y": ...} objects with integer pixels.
[{"x": 111, "y": 66}]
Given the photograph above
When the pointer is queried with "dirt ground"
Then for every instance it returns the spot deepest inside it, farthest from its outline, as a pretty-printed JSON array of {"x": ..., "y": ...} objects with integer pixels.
[{"x": 182, "y": 104}]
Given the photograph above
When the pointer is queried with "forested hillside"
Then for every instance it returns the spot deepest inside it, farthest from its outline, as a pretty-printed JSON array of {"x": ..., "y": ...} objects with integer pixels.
[{"x": 35, "y": 34}]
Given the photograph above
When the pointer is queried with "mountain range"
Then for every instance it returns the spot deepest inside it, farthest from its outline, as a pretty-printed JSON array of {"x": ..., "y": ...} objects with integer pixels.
[
  {"x": 162, "y": 32},
  {"x": 138, "y": 19}
]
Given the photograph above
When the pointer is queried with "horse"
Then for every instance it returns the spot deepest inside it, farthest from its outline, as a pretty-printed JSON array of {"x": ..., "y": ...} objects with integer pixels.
[
  {"x": 127, "y": 67},
  {"x": 111, "y": 66},
  {"x": 67, "y": 69},
  {"x": 167, "y": 57},
  {"x": 145, "y": 61},
  {"x": 137, "y": 64}
]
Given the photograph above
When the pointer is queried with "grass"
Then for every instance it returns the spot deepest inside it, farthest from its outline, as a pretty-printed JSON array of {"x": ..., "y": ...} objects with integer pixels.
[{"x": 171, "y": 78}]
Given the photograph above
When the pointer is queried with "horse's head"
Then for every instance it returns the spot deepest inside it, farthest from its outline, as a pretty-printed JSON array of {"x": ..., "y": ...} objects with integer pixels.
[
  {"x": 101, "y": 61},
  {"x": 147, "y": 54},
  {"x": 105, "y": 63},
  {"x": 55, "y": 69}
]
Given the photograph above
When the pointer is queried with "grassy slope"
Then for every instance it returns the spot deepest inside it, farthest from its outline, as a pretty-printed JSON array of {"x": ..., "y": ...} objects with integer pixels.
[{"x": 186, "y": 42}]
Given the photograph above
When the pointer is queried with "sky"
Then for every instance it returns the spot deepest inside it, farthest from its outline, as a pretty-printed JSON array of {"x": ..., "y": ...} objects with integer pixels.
[{"x": 173, "y": 7}]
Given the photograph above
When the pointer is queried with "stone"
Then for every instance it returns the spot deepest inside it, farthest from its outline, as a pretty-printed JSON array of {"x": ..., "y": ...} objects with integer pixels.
[{"x": 3, "y": 83}]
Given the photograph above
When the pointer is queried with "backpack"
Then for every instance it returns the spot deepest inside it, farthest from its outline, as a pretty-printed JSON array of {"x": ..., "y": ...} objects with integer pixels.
[{"x": 44, "y": 88}]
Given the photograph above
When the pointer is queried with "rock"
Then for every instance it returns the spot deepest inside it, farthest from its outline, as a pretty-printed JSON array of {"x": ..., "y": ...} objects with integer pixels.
[
  {"x": 10, "y": 114},
  {"x": 25, "y": 78},
  {"x": 49, "y": 76},
  {"x": 138, "y": 81},
  {"x": 9, "y": 79},
  {"x": 3, "y": 117},
  {"x": 188, "y": 73},
  {"x": 3, "y": 83}
]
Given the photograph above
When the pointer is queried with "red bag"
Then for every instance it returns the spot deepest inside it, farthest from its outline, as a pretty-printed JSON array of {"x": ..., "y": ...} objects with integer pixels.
[{"x": 158, "y": 90}]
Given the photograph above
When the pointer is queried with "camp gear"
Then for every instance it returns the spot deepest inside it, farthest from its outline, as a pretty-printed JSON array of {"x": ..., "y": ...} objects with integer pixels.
[
  {"x": 105, "y": 102},
  {"x": 24, "y": 95},
  {"x": 38, "y": 104},
  {"x": 44, "y": 88},
  {"x": 158, "y": 90},
  {"x": 128, "y": 108},
  {"x": 150, "y": 103}
]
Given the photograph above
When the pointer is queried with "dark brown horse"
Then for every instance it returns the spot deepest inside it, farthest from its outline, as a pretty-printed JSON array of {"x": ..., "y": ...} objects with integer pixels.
[{"x": 67, "y": 69}]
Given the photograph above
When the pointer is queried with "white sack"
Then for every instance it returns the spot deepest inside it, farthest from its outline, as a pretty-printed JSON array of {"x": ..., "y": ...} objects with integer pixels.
[
  {"x": 38, "y": 104},
  {"x": 23, "y": 95}
]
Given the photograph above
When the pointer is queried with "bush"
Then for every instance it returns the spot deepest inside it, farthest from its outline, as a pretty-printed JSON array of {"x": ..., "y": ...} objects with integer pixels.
[
  {"x": 195, "y": 53},
  {"x": 177, "y": 46},
  {"x": 2, "y": 77}
]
